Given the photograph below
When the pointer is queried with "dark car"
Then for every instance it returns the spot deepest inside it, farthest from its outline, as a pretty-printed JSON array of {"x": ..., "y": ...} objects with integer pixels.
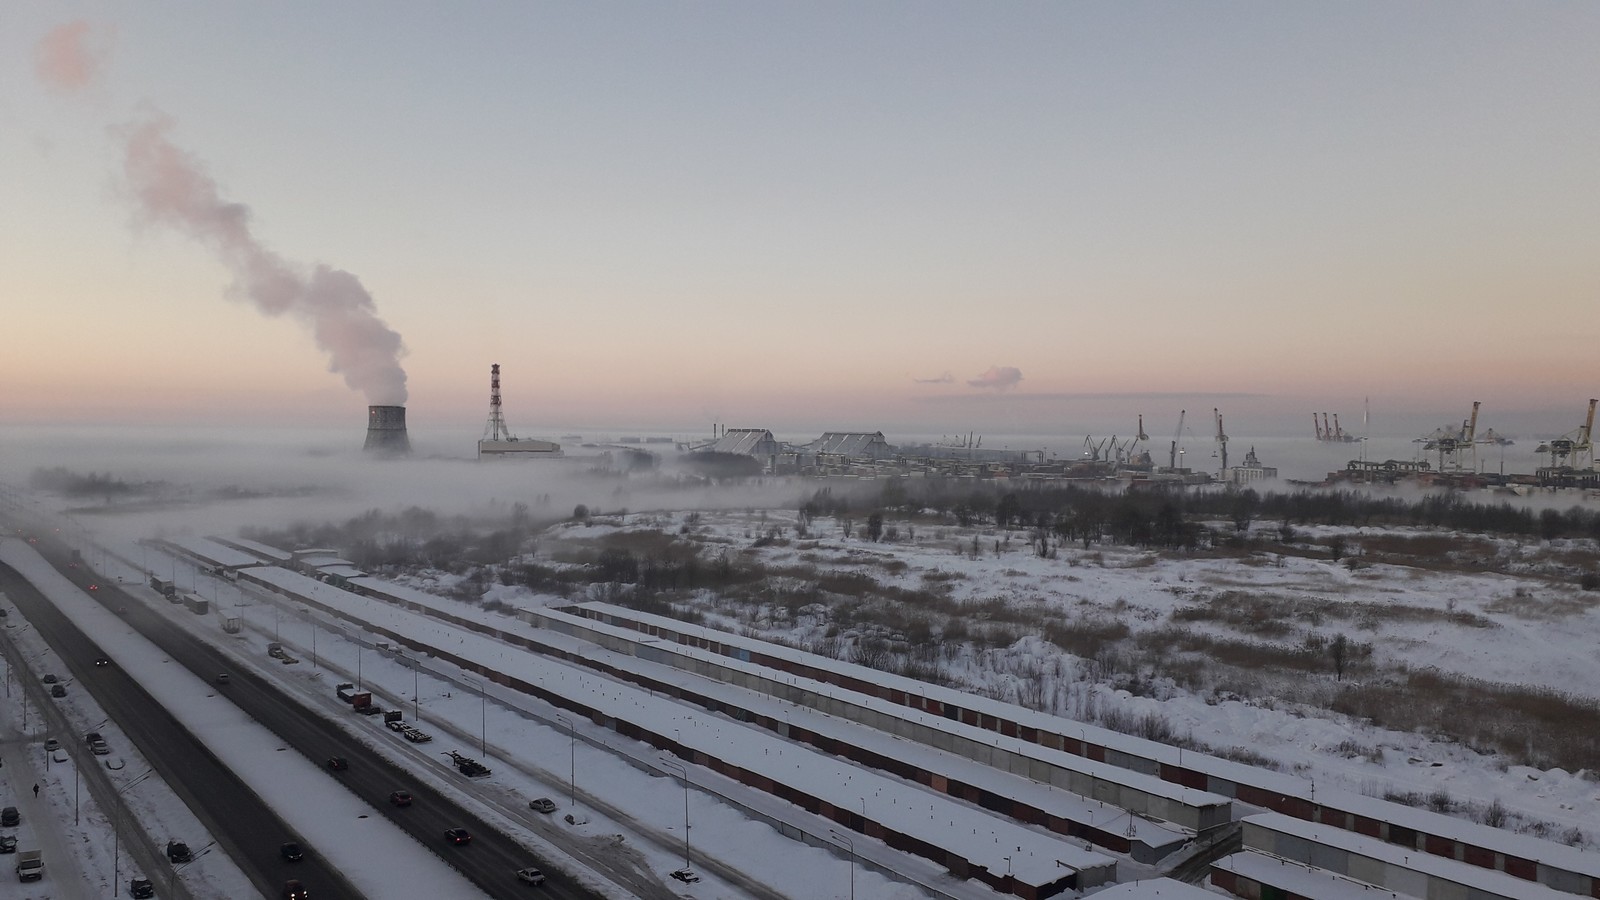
[
  {"x": 224, "y": 678},
  {"x": 141, "y": 889},
  {"x": 58, "y": 690},
  {"x": 50, "y": 679},
  {"x": 338, "y": 763},
  {"x": 8, "y": 843},
  {"x": 292, "y": 851},
  {"x": 294, "y": 890},
  {"x": 400, "y": 798},
  {"x": 102, "y": 662},
  {"x": 458, "y": 836},
  {"x": 9, "y": 816},
  {"x": 178, "y": 852}
]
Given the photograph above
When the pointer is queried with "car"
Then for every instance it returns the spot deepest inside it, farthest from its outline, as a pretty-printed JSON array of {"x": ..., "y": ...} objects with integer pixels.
[
  {"x": 338, "y": 763},
  {"x": 58, "y": 690},
  {"x": 8, "y": 843},
  {"x": 292, "y": 851},
  {"x": 542, "y": 805},
  {"x": 94, "y": 587},
  {"x": 50, "y": 679},
  {"x": 530, "y": 875},
  {"x": 223, "y": 678},
  {"x": 400, "y": 798},
  {"x": 458, "y": 836},
  {"x": 178, "y": 852},
  {"x": 141, "y": 889},
  {"x": 294, "y": 890},
  {"x": 52, "y": 744},
  {"x": 10, "y": 817},
  {"x": 101, "y": 662},
  {"x": 686, "y": 876},
  {"x": 99, "y": 748}
]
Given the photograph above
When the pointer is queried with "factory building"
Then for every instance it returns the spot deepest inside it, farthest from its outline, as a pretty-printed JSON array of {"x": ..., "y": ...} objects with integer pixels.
[{"x": 498, "y": 442}]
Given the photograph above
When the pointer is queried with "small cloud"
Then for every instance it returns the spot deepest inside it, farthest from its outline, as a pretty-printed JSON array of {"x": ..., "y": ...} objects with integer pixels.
[
  {"x": 946, "y": 378},
  {"x": 997, "y": 378},
  {"x": 65, "y": 58}
]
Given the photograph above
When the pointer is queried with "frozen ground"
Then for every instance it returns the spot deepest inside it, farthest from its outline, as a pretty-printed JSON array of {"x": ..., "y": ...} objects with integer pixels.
[{"x": 1510, "y": 629}]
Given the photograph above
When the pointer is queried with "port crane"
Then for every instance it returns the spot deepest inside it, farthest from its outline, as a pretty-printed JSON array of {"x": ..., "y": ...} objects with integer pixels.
[
  {"x": 1222, "y": 440},
  {"x": 1572, "y": 448},
  {"x": 1449, "y": 446},
  {"x": 1172, "y": 459}
]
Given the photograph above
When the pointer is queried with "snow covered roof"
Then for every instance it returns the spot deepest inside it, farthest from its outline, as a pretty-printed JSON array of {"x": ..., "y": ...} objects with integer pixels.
[
  {"x": 1141, "y": 755},
  {"x": 215, "y": 554},
  {"x": 266, "y": 552},
  {"x": 1154, "y": 889},
  {"x": 323, "y": 562},
  {"x": 851, "y": 443},
  {"x": 745, "y": 441},
  {"x": 986, "y": 841},
  {"x": 1488, "y": 882}
]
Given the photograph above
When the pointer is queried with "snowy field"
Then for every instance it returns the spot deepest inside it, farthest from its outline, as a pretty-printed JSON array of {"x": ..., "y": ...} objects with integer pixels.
[
  {"x": 856, "y": 599},
  {"x": 1520, "y": 630}
]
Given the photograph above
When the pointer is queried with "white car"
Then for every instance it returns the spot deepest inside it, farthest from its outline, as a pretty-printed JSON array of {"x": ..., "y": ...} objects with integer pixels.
[{"x": 530, "y": 876}]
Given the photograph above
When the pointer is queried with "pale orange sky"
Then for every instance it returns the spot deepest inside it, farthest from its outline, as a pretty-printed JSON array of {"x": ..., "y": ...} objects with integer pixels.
[{"x": 787, "y": 214}]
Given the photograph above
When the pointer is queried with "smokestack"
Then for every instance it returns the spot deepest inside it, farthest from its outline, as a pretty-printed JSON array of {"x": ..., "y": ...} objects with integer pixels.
[{"x": 386, "y": 431}]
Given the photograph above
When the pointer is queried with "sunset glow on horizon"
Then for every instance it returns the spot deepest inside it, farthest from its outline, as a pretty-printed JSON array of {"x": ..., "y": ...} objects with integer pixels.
[{"x": 878, "y": 216}]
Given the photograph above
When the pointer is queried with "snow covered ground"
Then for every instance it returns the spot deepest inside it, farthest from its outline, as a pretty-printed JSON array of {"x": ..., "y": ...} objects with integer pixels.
[
  {"x": 1481, "y": 625},
  {"x": 1516, "y": 630}
]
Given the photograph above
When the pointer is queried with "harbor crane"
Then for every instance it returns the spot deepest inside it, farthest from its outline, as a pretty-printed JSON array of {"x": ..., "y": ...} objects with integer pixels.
[
  {"x": 1222, "y": 440},
  {"x": 1172, "y": 459},
  {"x": 1449, "y": 446},
  {"x": 1572, "y": 448}
]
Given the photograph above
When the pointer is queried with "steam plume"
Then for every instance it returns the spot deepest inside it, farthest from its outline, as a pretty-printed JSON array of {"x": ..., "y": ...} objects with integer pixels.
[
  {"x": 171, "y": 187},
  {"x": 64, "y": 59},
  {"x": 997, "y": 378}
]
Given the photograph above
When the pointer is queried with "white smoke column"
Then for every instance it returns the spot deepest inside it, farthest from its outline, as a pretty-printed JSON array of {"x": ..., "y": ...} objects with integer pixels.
[{"x": 171, "y": 187}]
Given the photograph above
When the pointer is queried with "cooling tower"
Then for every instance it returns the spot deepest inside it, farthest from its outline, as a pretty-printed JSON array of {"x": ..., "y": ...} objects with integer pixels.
[{"x": 386, "y": 431}]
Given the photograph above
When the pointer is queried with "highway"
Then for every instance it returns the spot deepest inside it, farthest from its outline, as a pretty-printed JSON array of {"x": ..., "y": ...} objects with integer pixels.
[{"x": 249, "y": 830}]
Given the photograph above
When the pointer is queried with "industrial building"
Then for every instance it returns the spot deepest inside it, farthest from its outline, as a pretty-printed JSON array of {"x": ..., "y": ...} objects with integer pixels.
[{"x": 498, "y": 442}]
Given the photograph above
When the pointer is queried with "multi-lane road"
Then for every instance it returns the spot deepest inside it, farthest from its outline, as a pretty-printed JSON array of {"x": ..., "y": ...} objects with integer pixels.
[{"x": 244, "y": 825}]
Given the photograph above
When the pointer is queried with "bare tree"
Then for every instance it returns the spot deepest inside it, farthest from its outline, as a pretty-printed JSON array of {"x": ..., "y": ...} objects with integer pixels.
[{"x": 1339, "y": 649}]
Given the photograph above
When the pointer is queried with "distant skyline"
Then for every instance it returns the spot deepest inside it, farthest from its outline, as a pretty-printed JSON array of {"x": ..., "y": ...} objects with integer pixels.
[{"x": 914, "y": 216}]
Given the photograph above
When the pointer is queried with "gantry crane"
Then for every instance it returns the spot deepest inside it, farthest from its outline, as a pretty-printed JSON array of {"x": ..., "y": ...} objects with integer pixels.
[
  {"x": 1172, "y": 459},
  {"x": 1449, "y": 446},
  {"x": 1572, "y": 448},
  {"x": 1222, "y": 440}
]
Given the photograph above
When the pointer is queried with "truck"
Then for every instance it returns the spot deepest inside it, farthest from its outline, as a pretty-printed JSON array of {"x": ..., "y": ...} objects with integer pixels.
[
  {"x": 196, "y": 604},
  {"x": 30, "y": 865},
  {"x": 163, "y": 587},
  {"x": 344, "y": 690},
  {"x": 361, "y": 702}
]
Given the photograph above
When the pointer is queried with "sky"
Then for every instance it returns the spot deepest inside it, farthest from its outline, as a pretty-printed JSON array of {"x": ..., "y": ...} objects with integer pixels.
[{"x": 925, "y": 216}]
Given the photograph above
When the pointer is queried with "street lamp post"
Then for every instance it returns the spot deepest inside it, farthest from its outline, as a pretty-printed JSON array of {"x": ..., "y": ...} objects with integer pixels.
[
  {"x": 683, "y": 773},
  {"x": 572, "y": 763},
  {"x": 483, "y": 721},
  {"x": 116, "y": 837},
  {"x": 841, "y": 839}
]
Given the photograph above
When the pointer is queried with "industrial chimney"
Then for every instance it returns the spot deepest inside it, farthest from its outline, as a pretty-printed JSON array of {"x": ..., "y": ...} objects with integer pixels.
[{"x": 386, "y": 431}]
